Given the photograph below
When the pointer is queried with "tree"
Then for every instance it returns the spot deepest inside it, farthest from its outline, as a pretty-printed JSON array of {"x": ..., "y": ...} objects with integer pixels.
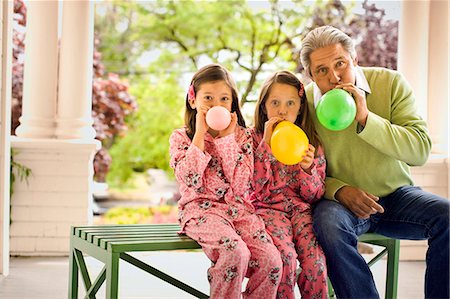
[
  {"x": 111, "y": 104},
  {"x": 111, "y": 101},
  {"x": 185, "y": 34},
  {"x": 146, "y": 144},
  {"x": 376, "y": 39}
]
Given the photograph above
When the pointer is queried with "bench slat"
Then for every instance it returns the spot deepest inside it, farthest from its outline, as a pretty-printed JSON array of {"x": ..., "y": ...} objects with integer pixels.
[
  {"x": 83, "y": 231},
  {"x": 104, "y": 242},
  {"x": 90, "y": 237},
  {"x": 154, "y": 246}
]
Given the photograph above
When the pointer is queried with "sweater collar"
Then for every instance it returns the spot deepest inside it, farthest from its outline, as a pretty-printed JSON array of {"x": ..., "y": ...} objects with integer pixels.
[{"x": 361, "y": 83}]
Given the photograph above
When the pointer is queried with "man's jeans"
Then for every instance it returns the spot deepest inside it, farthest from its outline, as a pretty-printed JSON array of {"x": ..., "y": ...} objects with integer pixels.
[{"x": 409, "y": 213}]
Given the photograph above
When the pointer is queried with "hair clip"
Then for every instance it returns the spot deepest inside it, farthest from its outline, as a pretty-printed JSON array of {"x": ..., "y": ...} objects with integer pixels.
[
  {"x": 191, "y": 92},
  {"x": 301, "y": 92}
]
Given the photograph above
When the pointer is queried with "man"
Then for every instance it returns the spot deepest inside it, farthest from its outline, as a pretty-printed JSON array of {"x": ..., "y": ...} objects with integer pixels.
[{"x": 368, "y": 185}]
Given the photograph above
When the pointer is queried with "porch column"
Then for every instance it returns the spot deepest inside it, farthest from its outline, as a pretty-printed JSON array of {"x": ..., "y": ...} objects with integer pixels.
[
  {"x": 58, "y": 193},
  {"x": 423, "y": 59},
  {"x": 40, "y": 71},
  {"x": 413, "y": 49},
  {"x": 438, "y": 77},
  {"x": 74, "y": 118}
]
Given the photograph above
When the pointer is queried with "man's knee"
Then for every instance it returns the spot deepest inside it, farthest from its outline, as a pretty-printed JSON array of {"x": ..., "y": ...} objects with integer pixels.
[
  {"x": 330, "y": 222},
  {"x": 442, "y": 219}
]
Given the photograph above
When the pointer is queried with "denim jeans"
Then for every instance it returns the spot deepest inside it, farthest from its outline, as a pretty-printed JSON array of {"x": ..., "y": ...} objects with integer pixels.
[{"x": 409, "y": 213}]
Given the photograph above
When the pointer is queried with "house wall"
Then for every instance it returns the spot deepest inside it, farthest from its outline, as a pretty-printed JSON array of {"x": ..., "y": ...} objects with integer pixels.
[{"x": 5, "y": 120}]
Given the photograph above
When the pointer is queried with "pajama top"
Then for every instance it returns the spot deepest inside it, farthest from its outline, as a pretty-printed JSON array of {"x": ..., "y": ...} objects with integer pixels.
[
  {"x": 219, "y": 175},
  {"x": 285, "y": 187}
]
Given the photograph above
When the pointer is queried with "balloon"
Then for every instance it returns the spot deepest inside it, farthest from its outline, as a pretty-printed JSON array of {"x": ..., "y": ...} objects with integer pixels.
[
  {"x": 218, "y": 118},
  {"x": 336, "y": 109},
  {"x": 288, "y": 143}
]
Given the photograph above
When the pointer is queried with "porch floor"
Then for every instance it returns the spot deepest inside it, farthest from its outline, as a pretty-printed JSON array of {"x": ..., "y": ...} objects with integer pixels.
[{"x": 47, "y": 277}]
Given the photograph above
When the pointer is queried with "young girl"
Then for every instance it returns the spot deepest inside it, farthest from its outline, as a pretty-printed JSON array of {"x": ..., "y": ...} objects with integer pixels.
[
  {"x": 214, "y": 169},
  {"x": 283, "y": 194}
]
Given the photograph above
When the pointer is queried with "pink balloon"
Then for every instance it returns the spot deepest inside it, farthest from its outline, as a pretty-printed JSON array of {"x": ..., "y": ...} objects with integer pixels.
[{"x": 218, "y": 118}]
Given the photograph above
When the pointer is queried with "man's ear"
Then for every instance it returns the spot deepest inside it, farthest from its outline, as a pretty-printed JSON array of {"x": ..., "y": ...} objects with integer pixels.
[{"x": 355, "y": 61}]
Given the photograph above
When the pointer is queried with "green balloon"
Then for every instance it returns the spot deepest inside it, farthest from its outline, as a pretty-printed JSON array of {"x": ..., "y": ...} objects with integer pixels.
[{"x": 336, "y": 110}]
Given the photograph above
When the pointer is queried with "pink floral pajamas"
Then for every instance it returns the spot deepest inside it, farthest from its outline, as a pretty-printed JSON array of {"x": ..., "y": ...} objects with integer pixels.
[
  {"x": 216, "y": 212},
  {"x": 237, "y": 247},
  {"x": 283, "y": 196}
]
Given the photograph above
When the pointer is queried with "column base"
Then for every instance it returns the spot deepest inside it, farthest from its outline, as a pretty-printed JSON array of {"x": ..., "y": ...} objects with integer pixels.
[
  {"x": 77, "y": 128},
  {"x": 35, "y": 128},
  {"x": 57, "y": 195}
]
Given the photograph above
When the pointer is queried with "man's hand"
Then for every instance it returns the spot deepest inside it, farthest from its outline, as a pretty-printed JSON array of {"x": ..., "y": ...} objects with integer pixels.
[
  {"x": 361, "y": 203},
  {"x": 360, "y": 100}
]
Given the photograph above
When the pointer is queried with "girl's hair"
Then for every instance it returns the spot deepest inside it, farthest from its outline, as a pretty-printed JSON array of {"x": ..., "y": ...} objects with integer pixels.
[
  {"x": 209, "y": 74},
  {"x": 322, "y": 37},
  {"x": 303, "y": 118}
]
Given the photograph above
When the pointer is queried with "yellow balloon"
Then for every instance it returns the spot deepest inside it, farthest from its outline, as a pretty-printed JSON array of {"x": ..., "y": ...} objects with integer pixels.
[{"x": 288, "y": 143}]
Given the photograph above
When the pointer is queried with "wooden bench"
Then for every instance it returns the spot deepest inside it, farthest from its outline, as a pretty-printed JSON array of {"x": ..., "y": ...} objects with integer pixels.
[{"x": 110, "y": 243}]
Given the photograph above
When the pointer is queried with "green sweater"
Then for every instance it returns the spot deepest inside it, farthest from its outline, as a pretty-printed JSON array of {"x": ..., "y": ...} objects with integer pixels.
[{"x": 377, "y": 159}]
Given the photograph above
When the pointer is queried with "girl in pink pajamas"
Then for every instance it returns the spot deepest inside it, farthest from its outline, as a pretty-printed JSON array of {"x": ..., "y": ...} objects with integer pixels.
[
  {"x": 214, "y": 169},
  {"x": 283, "y": 194}
]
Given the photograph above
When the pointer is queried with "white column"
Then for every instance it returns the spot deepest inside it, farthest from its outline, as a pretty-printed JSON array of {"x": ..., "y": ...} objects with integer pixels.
[
  {"x": 413, "y": 49},
  {"x": 6, "y": 13},
  {"x": 74, "y": 120},
  {"x": 58, "y": 193},
  {"x": 438, "y": 76},
  {"x": 423, "y": 58},
  {"x": 40, "y": 70}
]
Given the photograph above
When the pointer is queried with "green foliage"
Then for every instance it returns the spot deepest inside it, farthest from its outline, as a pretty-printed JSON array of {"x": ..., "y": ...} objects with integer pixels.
[
  {"x": 127, "y": 215},
  {"x": 140, "y": 215},
  {"x": 19, "y": 170},
  {"x": 115, "y": 27},
  {"x": 16, "y": 169},
  {"x": 146, "y": 145}
]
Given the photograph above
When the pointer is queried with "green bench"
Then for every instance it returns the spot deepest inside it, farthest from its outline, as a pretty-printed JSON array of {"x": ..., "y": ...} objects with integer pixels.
[{"x": 110, "y": 243}]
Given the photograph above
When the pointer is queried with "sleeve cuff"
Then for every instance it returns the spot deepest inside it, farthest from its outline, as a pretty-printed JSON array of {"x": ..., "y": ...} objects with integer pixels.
[
  {"x": 331, "y": 187},
  {"x": 359, "y": 128},
  {"x": 373, "y": 127},
  {"x": 197, "y": 154}
]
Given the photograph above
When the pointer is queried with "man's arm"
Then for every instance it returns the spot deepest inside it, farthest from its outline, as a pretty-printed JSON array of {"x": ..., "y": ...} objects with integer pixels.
[{"x": 403, "y": 137}]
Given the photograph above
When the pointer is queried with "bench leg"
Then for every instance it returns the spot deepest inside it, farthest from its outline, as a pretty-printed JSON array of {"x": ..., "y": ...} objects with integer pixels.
[
  {"x": 393, "y": 247},
  {"x": 331, "y": 293},
  {"x": 92, "y": 291},
  {"x": 73, "y": 275},
  {"x": 112, "y": 275}
]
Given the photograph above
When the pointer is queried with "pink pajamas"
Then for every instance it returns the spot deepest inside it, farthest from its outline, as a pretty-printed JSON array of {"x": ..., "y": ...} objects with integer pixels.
[
  {"x": 283, "y": 196},
  {"x": 216, "y": 212},
  {"x": 237, "y": 247}
]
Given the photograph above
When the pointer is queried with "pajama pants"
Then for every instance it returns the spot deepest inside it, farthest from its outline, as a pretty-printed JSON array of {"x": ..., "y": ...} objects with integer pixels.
[
  {"x": 237, "y": 247},
  {"x": 293, "y": 235}
]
